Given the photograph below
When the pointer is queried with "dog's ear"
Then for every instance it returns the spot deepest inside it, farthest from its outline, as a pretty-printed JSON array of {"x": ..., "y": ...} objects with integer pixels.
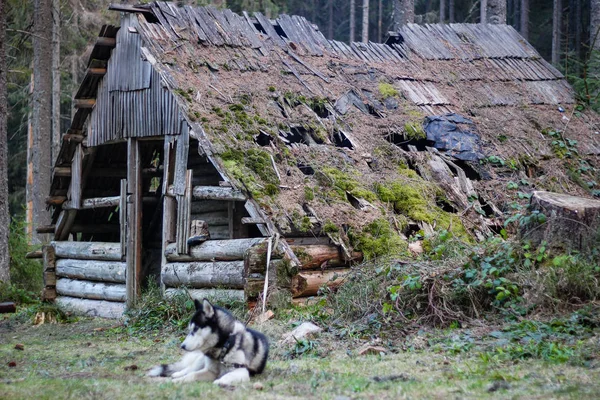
[
  {"x": 207, "y": 308},
  {"x": 197, "y": 304}
]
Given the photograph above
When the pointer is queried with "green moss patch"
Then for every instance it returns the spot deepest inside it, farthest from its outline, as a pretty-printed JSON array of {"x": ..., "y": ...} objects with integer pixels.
[
  {"x": 378, "y": 239},
  {"x": 386, "y": 90},
  {"x": 254, "y": 169}
]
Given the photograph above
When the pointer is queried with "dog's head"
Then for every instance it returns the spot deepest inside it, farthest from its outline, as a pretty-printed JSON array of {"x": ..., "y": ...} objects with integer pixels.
[{"x": 203, "y": 329}]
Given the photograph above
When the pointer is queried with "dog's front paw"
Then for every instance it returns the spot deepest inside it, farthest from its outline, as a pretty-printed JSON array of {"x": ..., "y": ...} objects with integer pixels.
[
  {"x": 184, "y": 379},
  {"x": 234, "y": 377},
  {"x": 179, "y": 374}
]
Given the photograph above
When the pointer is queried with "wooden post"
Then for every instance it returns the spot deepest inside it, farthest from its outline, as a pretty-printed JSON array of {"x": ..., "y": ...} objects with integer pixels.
[
  {"x": 49, "y": 291},
  {"x": 169, "y": 203},
  {"x": 134, "y": 221},
  {"x": 123, "y": 217}
]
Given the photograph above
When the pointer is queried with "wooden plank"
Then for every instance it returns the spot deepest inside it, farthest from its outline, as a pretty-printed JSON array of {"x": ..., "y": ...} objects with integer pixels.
[
  {"x": 49, "y": 256},
  {"x": 134, "y": 222},
  {"x": 123, "y": 217},
  {"x": 218, "y": 250},
  {"x": 88, "y": 250},
  {"x": 91, "y": 290},
  {"x": 76, "y": 177},
  {"x": 218, "y": 274},
  {"x": 91, "y": 308},
  {"x": 215, "y": 193},
  {"x": 268, "y": 27},
  {"x": 208, "y": 206}
]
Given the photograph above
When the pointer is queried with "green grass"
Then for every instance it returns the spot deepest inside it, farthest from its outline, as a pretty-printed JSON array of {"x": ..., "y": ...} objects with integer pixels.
[{"x": 92, "y": 359}]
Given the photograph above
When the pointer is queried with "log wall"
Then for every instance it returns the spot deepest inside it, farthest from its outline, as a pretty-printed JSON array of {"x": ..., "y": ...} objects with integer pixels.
[{"x": 89, "y": 277}]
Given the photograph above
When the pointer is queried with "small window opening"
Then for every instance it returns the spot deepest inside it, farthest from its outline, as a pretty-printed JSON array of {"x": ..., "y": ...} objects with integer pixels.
[
  {"x": 279, "y": 31},
  {"x": 260, "y": 28}
]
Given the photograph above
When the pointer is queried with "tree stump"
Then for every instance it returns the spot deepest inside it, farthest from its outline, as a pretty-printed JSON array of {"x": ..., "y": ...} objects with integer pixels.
[{"x": 570, "y": 223}]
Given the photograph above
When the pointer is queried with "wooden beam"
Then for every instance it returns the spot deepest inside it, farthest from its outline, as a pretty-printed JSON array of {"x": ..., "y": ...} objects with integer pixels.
[
  {"x": 91, "y": 308},
  {"x": 105, "y": 271},
  {"x": 213, "y": 193},
  {"x": 72, "y": 137},
  {"x": 218, "y": 274},
  {"x": 49, "y": 256},
  {"x": 96, "y": 71},
  {"x": 97, "y": 202},
  {"x": 90, "y": 290},
  {"x": 134, "y": 222},
  {"x": 106, "y": 41},
  {"x": 107, "y": 172},
  {"x": 34, "y": 254},
  {"x": 84, "y": 103},
  {"x": 252, "y": 221},
  {"x": 217, "y": 250},
  {"x": 88, "y": 250},
  {"x": 55, "y": 200}
]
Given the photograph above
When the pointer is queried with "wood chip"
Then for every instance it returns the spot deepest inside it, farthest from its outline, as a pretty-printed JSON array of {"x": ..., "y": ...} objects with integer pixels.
[{"x": 368, "y": 349}]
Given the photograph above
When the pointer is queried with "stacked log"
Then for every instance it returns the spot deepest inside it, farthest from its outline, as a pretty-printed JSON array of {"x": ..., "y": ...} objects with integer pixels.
[
  {"x": 89, "y": 277},
  {"x": 213, "y": 269}
]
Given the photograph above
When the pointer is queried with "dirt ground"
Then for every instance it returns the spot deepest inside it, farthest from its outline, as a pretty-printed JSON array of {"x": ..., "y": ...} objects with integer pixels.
[{"x": 98, "y": 359}]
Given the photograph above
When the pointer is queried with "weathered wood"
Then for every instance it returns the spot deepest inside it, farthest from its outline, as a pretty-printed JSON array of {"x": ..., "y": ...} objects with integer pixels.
[
  {"x": 55, "y": 200},
  {"x": 322, "y": 256},
  {"x": 219, "y": 232},
  {"x": 123, "y": 217},
  {"x": 254, "y": 288},
  {"x": 106, "y": 41},
  {"x": 91, "y": 290},
  {"x": 213, "y": 218},
  {"x": 84, "y": 103},
  {"x": 255, "y": 258},
  {"x": 97, "y": 202},
  {"x": 252, "y": 221},
  {"x": 218, "y": 250},
  {"x": 104, "y": 271},
  {"x": 218, "y": 296},
  {"x": 76, "y": 186},
  {"x": 9, "y": 307},
  {"x": 134, "y": 222},
  {"x": 308, "y": 283},
  {"x": 97, "y": 228},
  {"x": 225, "y": 274},
  {"x": 570, "y": 223},
  {"x": 91, "y": 308},
  {"x": 102, "y": 251},
  {"x": 34, "y": 254},
  {"x": 198, "y": 233},
  {"x": 49, "y": 256},
  {"x": 218, "y": 193}
]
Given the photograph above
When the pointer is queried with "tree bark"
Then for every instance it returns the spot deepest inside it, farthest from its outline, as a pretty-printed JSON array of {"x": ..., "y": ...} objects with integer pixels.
[
  {"x": 594, "y": 24},
  {"x": 524, "y": 19},
  {"x": 218, "y": 274},
  {"x": 451, "y": 11},
  {"x": 55, "y": 79},
  {"x": 103, "y": 271},
  {"x": 556, "y": 31},
  {"x": 483, "y": 4},
  {"x": 91, "y": 290},
  {"x": 217, "y": 250},
  {"x": 41, "y": 156},
  {"x": 442, "y": 11},
  {"x": 404, "y": 13},
  {"x": 4, "y": 213},
  {"x": 496, "y": 12},
  {"x": 352, "y": 20},
  {"x": 380, "y": 22},
  {"x": 101, "y": 251},
  {"x": 92, "y": 308},
  {"x": 365, "y": 22},
  {"x": 308, "y": 283}
]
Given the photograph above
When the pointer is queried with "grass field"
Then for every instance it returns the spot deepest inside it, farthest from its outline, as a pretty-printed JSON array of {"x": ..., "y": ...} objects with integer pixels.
[{"x": 99, "y": 359}]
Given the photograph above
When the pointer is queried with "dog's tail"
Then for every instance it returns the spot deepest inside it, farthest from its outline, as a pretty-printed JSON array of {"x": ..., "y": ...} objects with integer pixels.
[{"x": 161, "y": 370}]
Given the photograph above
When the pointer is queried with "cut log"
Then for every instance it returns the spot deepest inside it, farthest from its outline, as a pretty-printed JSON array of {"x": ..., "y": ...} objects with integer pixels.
[
  {"x": 218, "y": 250},
  {"x": 104, "y": 271},
  {"x": 213, "y": 193},
  {"x": 215, "y": 295},
  {"x": 97, "y": 202},
  {"x": 102, "y": 251},
  {"x": 568, "y": 222},
  {"x": 308, "y": 283},
  {"x": 49, "y": 256},
  {"x": 318, "y": 256},
  {"x": 91, "y": 308},
  {"x": 9, "y": 308},
  {"x": 91, "y": 290},
  {"x": 255, "y": 259},
  {"x": 34, "y": 254},
  {"x": 198, "y": 233},
  {"x": 225, "y": 274}
]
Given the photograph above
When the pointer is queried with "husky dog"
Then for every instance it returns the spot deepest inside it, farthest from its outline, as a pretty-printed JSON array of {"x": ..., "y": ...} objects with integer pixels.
[{"x": 221, "y": 349}]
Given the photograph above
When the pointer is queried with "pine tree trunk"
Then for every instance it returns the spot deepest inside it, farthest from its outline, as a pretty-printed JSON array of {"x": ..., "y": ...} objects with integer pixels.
[
  {"x": 365, "y": 22},
  {"x": 380, "y": 22},
  {"x": 442, "y": 11},
  {"x": 524, "y": 19},
  {"x": 55, "y": 79},
  {"x": 404, "y": 13},
  {"x": 496, "y": 11},
  {"x": 578, "y": 29},
  {"x": 330, "y": 24},
  {"x": 595, "y": 23},
  {"x": 451, "y": 11},
  {"x": 352, "y": 21},
  {"x": 41, "y": 113},
  {"x": 556, "y": 31},
  {"x": 483, "y": 4},
  {"x": 4, "y": 213}
]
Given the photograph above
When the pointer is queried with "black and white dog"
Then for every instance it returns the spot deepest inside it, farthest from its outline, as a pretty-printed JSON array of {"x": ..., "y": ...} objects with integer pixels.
[{"x": 221, "y": 349}]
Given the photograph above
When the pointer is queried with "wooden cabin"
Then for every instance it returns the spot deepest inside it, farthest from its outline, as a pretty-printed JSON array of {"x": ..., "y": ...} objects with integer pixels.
[{"x": 206, "y": 145}]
